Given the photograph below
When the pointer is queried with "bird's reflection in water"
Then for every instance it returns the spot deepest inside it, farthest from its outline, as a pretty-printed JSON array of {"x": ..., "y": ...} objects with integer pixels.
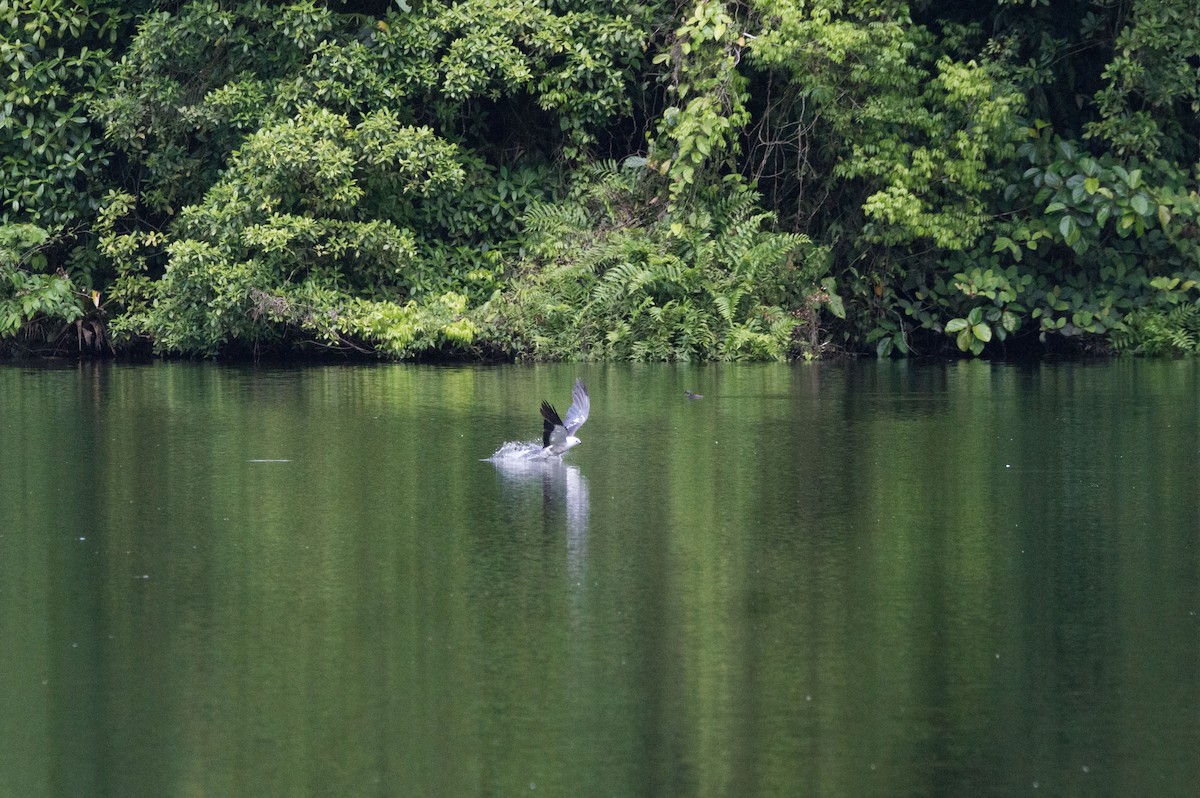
[{"x": 563, "y": 486}]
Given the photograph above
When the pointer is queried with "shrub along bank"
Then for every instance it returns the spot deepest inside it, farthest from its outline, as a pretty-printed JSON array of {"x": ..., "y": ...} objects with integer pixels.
[{"x": 554, "y": 179}]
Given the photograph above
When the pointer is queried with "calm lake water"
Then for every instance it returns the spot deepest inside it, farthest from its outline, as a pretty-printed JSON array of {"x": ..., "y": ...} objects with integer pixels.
[{"x": 849, "y": 580}]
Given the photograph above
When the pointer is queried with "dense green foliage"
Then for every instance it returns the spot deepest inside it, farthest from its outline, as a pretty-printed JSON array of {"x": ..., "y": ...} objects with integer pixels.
[
  {"x": 575, "y": 179},
  {"x": 605, "y": 278}
]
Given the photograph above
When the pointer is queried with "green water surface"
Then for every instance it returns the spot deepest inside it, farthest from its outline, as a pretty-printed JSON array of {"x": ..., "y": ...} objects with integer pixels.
[{"x": 831, "y": 580}]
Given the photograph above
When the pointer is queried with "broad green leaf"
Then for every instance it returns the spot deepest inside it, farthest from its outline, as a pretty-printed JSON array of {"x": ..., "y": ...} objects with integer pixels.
[
  {"x": 1164, "y": 216},
  {"x": 964, "y": 340},
  {"x": 1075, "y": 239}
]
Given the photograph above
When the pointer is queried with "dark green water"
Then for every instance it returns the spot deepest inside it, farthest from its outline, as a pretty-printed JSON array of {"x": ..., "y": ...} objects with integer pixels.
[{"x": 878, "y": 579}]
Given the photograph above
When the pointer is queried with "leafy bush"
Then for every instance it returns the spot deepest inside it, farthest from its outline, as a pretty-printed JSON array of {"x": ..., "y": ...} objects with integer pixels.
[
  {"x": 38, "y": 306},
  {"x": 610, "y": 278},
  {"x": 418, "y": 177},
  {"x": 1170, "y": 326},
  {"x": 54, "y": 163},
  {"x": 287, "y": 245}
]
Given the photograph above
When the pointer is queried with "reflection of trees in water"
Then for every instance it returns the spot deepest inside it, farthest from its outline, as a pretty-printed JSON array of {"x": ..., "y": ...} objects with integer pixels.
[{"x": 564, "y": 490}]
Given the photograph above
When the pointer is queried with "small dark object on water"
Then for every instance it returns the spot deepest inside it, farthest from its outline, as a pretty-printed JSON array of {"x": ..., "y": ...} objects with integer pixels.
[{"x": 691, "y": 395}]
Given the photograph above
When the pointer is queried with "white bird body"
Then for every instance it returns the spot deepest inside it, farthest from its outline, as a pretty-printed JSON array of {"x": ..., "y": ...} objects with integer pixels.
[{"x": 558, "y": 435}]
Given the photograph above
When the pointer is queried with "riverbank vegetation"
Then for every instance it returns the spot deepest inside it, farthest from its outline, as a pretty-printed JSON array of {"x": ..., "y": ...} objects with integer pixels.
[{"x": 558, "y": 179}]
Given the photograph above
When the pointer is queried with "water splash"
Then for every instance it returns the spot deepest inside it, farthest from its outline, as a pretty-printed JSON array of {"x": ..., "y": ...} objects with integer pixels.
[{"x": 520, "y": 451}]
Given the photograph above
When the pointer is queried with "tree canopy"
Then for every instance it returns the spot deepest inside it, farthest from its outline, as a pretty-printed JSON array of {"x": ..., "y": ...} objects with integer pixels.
[{"x": 558, "y": 179}]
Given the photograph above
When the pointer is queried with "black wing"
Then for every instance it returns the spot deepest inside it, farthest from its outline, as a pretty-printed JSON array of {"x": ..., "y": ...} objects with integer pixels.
[{"x": 550, "y": 420}]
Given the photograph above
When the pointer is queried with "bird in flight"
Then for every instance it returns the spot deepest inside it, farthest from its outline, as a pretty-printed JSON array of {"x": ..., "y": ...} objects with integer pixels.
[{"x": 558, "y": 435}]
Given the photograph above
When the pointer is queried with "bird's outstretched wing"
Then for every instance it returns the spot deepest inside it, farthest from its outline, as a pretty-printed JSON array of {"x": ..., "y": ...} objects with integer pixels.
[
  {"x": 553, "y": 430},
  {"x": 577, "y": 413}
]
